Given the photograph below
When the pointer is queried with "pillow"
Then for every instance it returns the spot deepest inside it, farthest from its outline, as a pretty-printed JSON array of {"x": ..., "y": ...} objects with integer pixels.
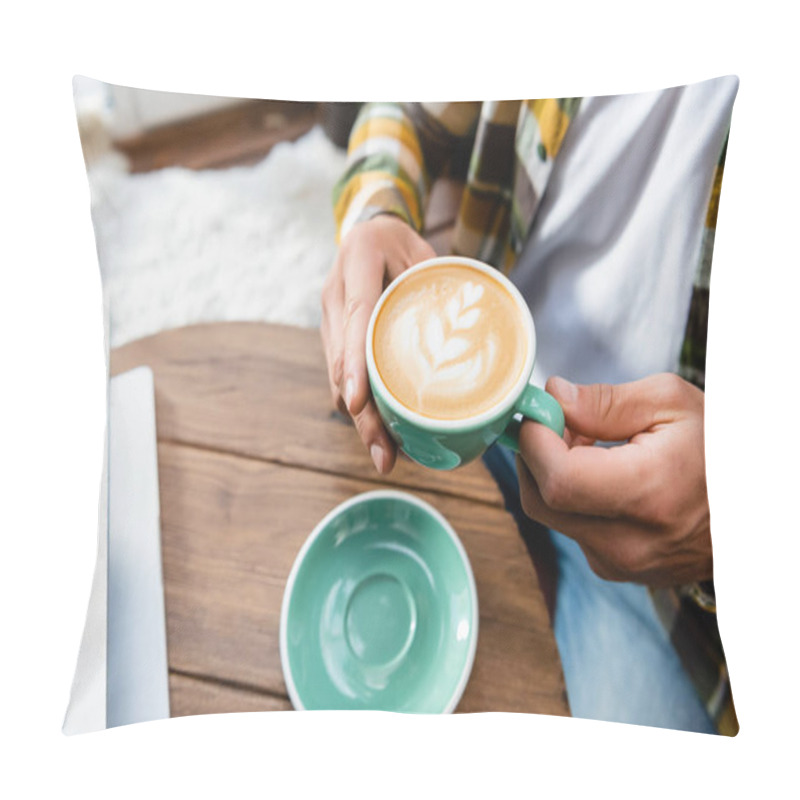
[{"x": 233, "y": 236}]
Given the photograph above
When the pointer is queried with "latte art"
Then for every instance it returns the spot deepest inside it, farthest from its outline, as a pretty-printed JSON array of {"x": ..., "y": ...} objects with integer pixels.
[{"x": 449, "y": 342}]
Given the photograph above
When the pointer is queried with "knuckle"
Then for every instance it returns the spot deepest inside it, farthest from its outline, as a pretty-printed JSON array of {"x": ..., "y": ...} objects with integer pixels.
[
  {"x": 628, "y": 562},
  {"x": 660, "y": 511},
  {"x": 672, "y": 389},
  {"x": 662, "y": 514},
  {"x": 368, "y": 426},
  {"x": 555, "y": 491},
  {"x": 605, "y": 398},
  {"x": 337, "y": 370},
  {"x": 634, "y": 558},
  {"x": 526, "y": 500},
  {"x": 354, "y": 307},
  {"x": 527, "y": 492}
]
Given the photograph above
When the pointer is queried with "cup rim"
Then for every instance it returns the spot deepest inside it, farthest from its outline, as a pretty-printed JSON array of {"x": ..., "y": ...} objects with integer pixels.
[
  {"x": 319, "y": 529},
  {"x": 476, "y": 420}
]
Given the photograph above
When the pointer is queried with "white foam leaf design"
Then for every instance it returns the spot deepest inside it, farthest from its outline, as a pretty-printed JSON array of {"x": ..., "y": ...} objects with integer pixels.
[
  {"x": 472, "y": 292},
  {"x": 453, "y": 348},
  {"x": 434, "y": 335},
  {"x": 451, "y": 310},
  {"x": 466, "y": 374},
  {"x": 441, "y": 349},
  {"x": 467, "y": 319},
  {"x": 459, "y": 312}
]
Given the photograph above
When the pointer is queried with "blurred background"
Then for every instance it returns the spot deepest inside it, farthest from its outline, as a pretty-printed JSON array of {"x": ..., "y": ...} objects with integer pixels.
[{"x": 208, "y": 209}]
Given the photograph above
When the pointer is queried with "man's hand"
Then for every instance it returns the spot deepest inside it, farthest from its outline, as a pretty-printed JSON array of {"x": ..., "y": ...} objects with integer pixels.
[
  {"x": 371, "y": 255},
  {"x": 638, "y": 510}
]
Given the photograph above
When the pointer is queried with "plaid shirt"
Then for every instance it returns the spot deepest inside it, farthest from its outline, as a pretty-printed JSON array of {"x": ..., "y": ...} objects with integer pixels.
[{"x": 504, "y": 154}]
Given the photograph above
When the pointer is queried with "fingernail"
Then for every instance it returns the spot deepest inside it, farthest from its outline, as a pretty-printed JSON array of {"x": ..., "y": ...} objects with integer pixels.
[
  {"x": 376, "y": 451},
  {"x": 349, "y": 391},
  {"x": 564, "y": 391}
]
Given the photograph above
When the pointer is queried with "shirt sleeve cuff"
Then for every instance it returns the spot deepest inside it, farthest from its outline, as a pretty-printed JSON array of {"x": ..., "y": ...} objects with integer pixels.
[
  {"x": 369, "y": 202},
  {"x": 702, "y": 593}
]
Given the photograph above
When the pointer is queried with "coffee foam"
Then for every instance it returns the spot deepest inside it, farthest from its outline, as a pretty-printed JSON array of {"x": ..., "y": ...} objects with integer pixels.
[{"x": 450, "y": 342}]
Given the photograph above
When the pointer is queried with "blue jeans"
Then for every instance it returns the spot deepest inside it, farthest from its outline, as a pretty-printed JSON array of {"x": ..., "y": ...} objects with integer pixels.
[{"x": 619, "y": 665}]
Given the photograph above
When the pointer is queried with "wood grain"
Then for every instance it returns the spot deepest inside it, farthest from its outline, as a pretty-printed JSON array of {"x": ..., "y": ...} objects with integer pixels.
[
  {"x": 261, "y": 390},
  {"x": 189, "y": 695},
  {"x": 231, "y": 529},
  {"x": 250, "y": 458}
]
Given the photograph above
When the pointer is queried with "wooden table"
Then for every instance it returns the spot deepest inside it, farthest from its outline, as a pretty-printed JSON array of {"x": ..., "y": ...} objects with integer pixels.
[{"x": 250, "y": 457}]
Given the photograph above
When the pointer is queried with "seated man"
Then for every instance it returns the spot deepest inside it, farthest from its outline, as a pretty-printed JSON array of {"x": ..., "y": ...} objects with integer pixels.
[{"x": 601, "y": 210}]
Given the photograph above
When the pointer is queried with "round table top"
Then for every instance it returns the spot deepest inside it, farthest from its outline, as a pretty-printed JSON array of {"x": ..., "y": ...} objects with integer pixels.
[{"x": 251, "y": 456}]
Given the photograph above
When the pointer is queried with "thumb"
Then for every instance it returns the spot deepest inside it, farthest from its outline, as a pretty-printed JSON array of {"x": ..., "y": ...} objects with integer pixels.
[{"x": 615, "y": 412}]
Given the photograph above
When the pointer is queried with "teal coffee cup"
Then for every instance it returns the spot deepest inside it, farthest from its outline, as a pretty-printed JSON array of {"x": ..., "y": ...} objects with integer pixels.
[{"x": 450, "y": 351}]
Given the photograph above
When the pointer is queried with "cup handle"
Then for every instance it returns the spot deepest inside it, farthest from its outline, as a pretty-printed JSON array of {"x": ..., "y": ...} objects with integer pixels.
[{"x": 538, "y": 405}]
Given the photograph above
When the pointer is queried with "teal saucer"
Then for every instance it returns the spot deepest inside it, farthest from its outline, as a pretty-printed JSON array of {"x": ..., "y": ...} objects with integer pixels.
[{"x": 380, "y": 610}]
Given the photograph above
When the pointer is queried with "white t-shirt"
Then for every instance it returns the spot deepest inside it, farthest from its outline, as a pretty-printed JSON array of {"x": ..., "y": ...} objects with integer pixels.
[{"x": 610, "y": 260}]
